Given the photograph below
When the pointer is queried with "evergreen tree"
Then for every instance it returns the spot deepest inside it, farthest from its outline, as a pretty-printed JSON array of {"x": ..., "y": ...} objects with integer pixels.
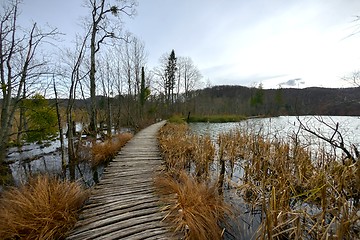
[
  {"x": 170, "y": 77},
  {"x": 258, "y": 99},
  {"x": 142, "y": 88}
]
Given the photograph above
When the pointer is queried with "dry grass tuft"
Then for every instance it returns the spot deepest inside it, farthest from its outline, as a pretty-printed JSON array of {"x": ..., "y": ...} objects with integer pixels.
[
  {"x": 107, "y": 150},
  {"x": 46, "y": 208},
  {"x": 193, "y": 208},
  {"x": 176, "y": 145}
]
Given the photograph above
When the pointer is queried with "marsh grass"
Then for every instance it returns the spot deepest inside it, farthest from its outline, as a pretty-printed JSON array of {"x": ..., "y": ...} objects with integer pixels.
[
  {"x": 45, "y": 208},
  {"x": 105, "y": 151},
  {"x": 193, "y": 208},
  {"x": 193, "y": 205},
  {"x": 302, "y": 192},
  {"x": 178, "y": 119},
  {"x": 176, "y": 145}
]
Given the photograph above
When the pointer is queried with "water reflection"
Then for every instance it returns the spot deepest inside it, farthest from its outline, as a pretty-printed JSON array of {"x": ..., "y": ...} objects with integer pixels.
[{"x": 47, "y": 160}]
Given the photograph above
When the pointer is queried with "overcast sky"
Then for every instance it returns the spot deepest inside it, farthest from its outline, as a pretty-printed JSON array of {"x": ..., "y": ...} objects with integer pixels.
[{"x": 297, "y": 43}]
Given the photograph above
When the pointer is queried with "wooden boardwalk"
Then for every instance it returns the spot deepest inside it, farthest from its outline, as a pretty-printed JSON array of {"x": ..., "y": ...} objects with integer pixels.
[{"x": 124, "y": 205}]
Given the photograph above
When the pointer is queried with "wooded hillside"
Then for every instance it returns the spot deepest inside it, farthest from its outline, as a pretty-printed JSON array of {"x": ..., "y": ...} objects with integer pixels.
[{"x": 282, "y": 101}]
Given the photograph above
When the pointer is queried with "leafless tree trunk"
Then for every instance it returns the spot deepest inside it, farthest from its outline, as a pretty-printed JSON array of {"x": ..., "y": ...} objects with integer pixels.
[
  {"x": 107, "y": 86},
  {"x": 76, "y": 77},
  {"x": 62, "y": 150},
  {"x": 101, "y": 29}
]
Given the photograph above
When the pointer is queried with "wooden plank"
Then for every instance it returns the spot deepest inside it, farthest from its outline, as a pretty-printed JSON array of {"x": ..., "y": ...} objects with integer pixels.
[
  {"x": 148, "y": 230},
  {"x": 124, "y": 205},
  {"x": 105, "y": 217}
]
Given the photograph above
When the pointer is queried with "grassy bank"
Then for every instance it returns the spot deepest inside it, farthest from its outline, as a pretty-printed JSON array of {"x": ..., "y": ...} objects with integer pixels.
[
  {"x": 45, "y": 208},
  {"x": 217, "y": 118}
]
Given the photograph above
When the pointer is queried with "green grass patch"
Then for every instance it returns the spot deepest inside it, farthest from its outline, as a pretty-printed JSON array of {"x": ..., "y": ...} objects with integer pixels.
[
  {"x": 217, "y": 118},
  {"x": 177, "y": 119}
]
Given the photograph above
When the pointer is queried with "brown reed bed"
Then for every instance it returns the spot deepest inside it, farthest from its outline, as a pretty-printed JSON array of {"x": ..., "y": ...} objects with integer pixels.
[
  {"x": 303, "y": 193},
  {"x": 176, "y": 145},
  {"x": 103, "y": 152},
  {"x": 194, "y": 207},
  {"x": 45, "y": 208}
]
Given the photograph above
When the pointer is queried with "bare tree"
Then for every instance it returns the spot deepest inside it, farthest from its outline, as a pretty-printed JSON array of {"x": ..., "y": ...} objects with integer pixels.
[
  {"x": 353, "y": 78},
  {"x": 132, "y": 57},
  {"x": 102, "y": 28},
  {"x": 160, "y": 76},
  {"x": 335, "y": 139},
  {"x": 74, "y": 60},
  {"x": 189, "y": 75},
  {"x": 107, "y": 83},
  {"x": 18, "y": 64},
  {"x": 138, "y": 58}
]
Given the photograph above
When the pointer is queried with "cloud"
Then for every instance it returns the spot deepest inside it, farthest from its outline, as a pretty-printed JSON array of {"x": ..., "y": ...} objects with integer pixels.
[{"x": 293, "y": 82}]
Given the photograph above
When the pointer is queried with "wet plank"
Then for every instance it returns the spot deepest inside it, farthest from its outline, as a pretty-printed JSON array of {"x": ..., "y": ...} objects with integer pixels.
[{"x": 124, "y": 204}]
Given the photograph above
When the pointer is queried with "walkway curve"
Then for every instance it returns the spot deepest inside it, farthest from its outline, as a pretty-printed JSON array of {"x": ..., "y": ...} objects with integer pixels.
[{"x": 123, "y": 205}]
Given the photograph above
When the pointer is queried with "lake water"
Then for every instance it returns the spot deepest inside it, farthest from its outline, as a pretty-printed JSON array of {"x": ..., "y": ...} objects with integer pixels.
[
  {"x": 34, "y": 158},
  {"x": 247, "y": 220},
  {"x": 285, "y": 126}
]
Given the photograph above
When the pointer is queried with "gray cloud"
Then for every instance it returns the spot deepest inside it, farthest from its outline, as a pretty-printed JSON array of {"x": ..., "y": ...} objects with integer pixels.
[{"x": 293, "y": 82}]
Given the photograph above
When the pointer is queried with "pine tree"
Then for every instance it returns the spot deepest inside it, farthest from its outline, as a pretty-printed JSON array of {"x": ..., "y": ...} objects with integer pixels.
[{"x": 170, "y": 77}]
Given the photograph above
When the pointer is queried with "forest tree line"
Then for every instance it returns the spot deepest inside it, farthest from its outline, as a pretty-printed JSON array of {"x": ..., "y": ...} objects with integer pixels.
[{"x": 273, "y": 102}]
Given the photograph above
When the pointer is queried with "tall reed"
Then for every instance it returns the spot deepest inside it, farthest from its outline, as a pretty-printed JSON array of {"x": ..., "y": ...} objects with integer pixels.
[
  {"x": 45, "y": 208},
  {"x": 176, "y": 146},
  {"x": 193, "y": 204},
  {"x": 193, "y": 208},
  {"x": 107, "y": 150},
  {"x": 303, "y": 193}
]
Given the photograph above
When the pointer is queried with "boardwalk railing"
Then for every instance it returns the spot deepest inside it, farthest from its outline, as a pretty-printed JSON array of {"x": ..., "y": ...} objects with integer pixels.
[{"x": 124, "y": 204}]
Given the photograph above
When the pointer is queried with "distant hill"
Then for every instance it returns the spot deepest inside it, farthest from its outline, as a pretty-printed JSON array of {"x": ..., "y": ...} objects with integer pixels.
[
  {"x": 253, "y": 101},
  {"x": 284, "y": 101}
]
